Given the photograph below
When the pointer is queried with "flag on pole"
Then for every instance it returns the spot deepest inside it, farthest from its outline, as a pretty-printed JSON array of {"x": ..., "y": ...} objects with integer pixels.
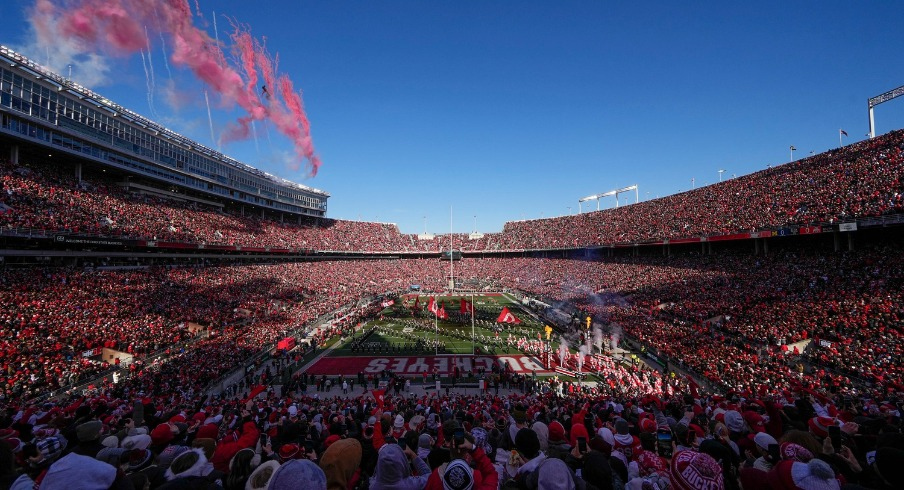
[
  {"x": 843, "y": 132},
  {"x": 692, "y": 384},
  {"x": 441, "y": 313},
  {"x": 466, "y": 306},
  {"x": 378, "y": 396},
  {"x": 431, "y": 305},
  {"x": 417, "y": 302},
  {"x": 506, "y": 316},
  {"x": 793, "y": 148}
]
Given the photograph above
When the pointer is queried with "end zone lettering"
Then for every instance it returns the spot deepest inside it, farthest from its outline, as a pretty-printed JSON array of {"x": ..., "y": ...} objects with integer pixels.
[{"x": 425, "y": 364}]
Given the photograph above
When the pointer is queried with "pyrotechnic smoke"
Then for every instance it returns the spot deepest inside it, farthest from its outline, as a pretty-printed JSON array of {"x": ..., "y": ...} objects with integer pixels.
[
  {"x": 563, "y": 351},
  {"x": 147, "y": 77},
  {"x": 150, "y": 72},
  {"x": 598, "y": 338},
  {"x": 209, "y": 118},
  {"x": 582, "y": 352},
  {"x": 116, "y": 26},
  {"x": 616, "y": 334}
]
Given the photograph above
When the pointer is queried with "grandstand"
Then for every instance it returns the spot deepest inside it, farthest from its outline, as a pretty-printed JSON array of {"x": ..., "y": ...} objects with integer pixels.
[
  {"x": 148, "y": 280},
  {"x": 55, "y": 114}
]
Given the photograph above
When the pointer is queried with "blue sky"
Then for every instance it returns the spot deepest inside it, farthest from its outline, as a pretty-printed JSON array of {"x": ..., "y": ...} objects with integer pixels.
[{"x": 510, "y": 110}]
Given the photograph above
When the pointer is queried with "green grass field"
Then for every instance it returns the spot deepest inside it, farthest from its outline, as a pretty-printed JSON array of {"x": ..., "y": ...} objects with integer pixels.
[{"x": 398, "y": 331}]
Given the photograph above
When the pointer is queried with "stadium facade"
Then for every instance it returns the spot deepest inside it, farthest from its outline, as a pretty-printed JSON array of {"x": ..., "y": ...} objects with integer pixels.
[{"x": 43, "y": 109}]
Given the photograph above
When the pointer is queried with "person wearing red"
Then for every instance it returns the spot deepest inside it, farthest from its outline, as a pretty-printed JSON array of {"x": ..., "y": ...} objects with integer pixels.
[
  {"x": 459, "y": 474},
  {"x": 226, "y": 449}
]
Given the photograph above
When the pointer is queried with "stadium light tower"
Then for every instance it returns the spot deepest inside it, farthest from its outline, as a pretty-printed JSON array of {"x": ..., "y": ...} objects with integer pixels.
[
  {"x": 720, "y": 174},
  {"x": 615, "y": 193},
  {"x": 874, "y": 101}
]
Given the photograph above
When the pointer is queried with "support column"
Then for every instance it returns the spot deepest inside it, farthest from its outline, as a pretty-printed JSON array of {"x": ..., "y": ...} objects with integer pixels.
[
  {"x": 872, "y": 124},
  {"x": 837, "y": 239},
  {"x": 78, "y": 172},
  {"x": 850, "y": 240},
  {"x": 756, "y": 246},
  {"x": 14, "y": 155},
  {"x": 765, "y": 247}
]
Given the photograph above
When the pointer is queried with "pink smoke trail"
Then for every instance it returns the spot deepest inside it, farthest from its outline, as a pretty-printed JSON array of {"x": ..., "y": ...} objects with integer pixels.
[{"x": 117, "y": 24}]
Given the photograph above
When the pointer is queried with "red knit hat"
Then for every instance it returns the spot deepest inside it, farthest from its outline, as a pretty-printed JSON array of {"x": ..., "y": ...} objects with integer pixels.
[
  {"x": 649, "y": 462},
  {"x": 289, "y": 451},
  {"x": 578, "y": 430},
  {"x": 794, "y": 452},
  {"x": 209, "y": 431},
  {"x": 330, "y": 440},
  {"x": 698, "y": 431},
  {"x": 648, "y": 425},
  {"x": 755, "y": 421},
  {"x": 695, "y": 471},
  {"x": 793, "y": 475},
  {"x": 819, "y": 426},
  {"x": 556, "y": 431},
  {"x": 161, "y": 435}
]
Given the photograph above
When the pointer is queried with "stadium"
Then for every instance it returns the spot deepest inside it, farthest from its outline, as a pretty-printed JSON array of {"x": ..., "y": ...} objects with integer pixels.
[{"x": 176, "y": 318}]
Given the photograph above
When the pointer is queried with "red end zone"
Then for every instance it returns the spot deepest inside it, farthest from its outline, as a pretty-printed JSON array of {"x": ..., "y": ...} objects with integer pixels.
[{"x": 415, "y": 365}]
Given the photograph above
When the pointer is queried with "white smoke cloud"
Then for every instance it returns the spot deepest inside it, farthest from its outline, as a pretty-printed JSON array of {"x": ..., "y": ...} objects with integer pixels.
[{"x": 57, "y": 53}]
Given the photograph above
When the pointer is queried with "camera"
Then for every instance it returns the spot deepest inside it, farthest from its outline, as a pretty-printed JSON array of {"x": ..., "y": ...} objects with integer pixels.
[
  {"x": 458, "y": 437},
  {"x": 664, "y": 442}
]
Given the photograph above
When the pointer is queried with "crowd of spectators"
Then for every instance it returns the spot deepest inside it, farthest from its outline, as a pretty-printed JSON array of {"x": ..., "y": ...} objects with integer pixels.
[
  {"x": 860, "y": 180},
  {"x": 732, "y": 318},
  {"x": 540, "y": 440},
  {"x": 50, "y": 317},
  {"x": 857, "y": 181},
  {"x": 740, "y": 321},
  {"x": 799, "y": 338}
]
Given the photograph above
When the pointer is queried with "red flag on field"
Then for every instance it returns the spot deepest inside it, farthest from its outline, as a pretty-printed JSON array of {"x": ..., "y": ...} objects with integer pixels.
[
  {"x": 431, "y": 306},
  {"x": 378, "y": 395},
  {"x": 506, "y": 316},
  {"x": 466, "y": 306},
  {"x": 441, "y": 313},
  {"x": 387, "y": 303},
  {"x": 417, "y": 302}
]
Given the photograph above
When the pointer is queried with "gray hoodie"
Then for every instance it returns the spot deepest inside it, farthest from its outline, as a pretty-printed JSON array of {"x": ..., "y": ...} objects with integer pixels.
[{"x": 394, "y": 473}]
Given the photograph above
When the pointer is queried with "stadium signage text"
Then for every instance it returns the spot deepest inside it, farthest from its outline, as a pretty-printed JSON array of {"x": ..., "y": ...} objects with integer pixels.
[{"x": 424, "y": 364}]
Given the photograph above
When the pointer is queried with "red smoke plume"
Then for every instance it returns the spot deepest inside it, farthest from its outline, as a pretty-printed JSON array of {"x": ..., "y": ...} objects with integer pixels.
[{"x": 119, "y": 25}]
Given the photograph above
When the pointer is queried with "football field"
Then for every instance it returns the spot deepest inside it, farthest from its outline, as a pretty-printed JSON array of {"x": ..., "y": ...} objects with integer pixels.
[{"x": 419, "y": 334}]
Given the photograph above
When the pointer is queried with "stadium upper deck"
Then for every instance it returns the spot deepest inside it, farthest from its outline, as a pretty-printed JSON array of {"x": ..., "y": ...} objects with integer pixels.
[
  {"x": 858, "y": 185},
  {"x": 43, "y": 108}
]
